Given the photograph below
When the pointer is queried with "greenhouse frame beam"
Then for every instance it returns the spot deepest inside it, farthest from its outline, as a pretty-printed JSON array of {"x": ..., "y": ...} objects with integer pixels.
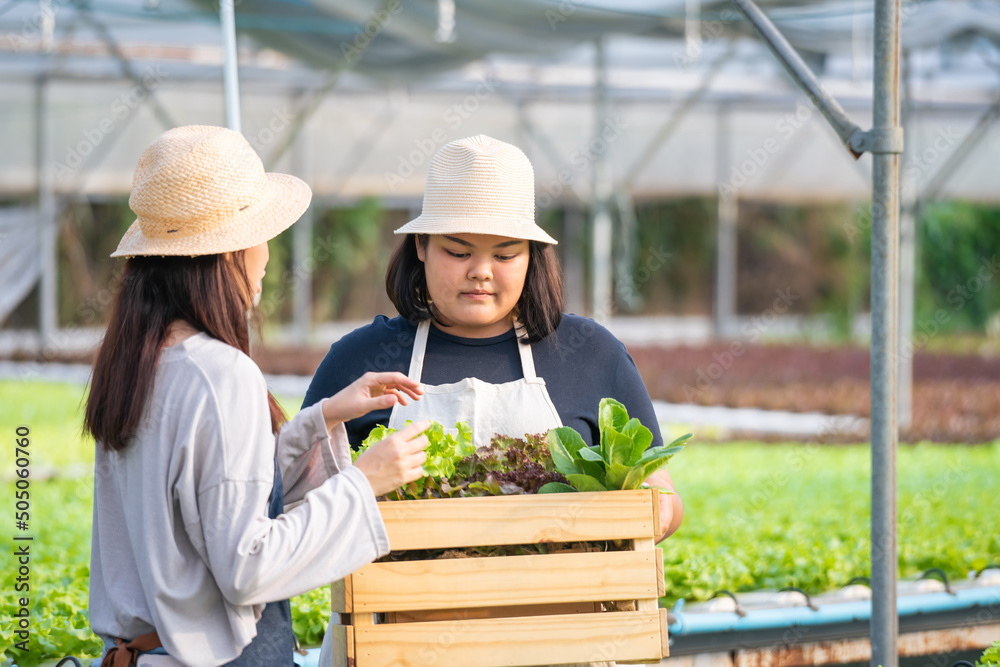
[
  {"x": 126, "y": 66},
  {"x": 932, "y": 190},
  {"x": 675, "y": 120},
  {"x": 548, "y": 149},
  {"x": 885, "y": 142}
]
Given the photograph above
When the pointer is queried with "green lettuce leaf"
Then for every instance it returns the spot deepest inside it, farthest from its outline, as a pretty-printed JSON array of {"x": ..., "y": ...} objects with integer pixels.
[
  {"x": 564, "y": 443},
  {"x": 585, "y": 483}
]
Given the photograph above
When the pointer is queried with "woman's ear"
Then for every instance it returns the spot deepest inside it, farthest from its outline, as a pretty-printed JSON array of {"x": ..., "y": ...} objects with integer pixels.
[{"x": 421, "y": 241}]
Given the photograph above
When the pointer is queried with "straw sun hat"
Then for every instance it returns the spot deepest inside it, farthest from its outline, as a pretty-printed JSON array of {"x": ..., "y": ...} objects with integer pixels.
[
  {"x": 479, "y": 185},
  {"x": 201, "y": 190}
]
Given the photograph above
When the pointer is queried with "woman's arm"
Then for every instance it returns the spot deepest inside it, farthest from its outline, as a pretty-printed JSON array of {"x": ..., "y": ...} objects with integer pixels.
[
  {"x": 309, "y": 453},
  {"x": 313, "y": 446},
  {"x": 633, "y": 394},
  {"x": 334, "y": 530}
]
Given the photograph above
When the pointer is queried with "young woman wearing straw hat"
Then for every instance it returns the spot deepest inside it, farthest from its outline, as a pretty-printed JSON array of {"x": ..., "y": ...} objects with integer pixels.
[
  {"x": 190, "y": 561},
  {"x": 479, "y": 292}
]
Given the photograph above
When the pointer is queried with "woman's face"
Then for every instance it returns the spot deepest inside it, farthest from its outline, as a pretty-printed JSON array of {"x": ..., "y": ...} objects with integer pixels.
[
  {"x": 255, "y": 259},
  {"x": 474, "y": 280}
]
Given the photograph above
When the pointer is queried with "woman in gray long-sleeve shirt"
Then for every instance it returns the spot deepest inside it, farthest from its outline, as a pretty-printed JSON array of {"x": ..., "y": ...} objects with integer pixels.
[{"x": 192, "y": 558}]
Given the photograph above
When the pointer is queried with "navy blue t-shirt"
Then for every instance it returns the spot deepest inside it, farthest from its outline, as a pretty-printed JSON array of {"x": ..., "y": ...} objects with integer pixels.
[{"x": 581, "y": 363}]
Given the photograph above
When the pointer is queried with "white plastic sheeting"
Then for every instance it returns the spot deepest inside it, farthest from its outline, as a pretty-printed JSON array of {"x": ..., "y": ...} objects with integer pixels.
[{"x": 19, "y": 256}]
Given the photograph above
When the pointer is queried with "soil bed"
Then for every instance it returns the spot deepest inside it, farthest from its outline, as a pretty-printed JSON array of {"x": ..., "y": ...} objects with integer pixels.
[{"x": 956, "y": 397}]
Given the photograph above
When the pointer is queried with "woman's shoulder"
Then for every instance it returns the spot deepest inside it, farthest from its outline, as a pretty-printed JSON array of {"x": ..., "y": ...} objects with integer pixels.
[
  {"x": 382, "y": 330},
  {"x": 583, "y": 339},
  {"x": 585, "y": 332},
  {"x": 218, "y": 365}
]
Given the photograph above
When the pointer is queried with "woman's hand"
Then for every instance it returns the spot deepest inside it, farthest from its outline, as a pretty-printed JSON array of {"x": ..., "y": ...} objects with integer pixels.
[
  {"x": 671, "y": 507},
  {"x": 397, "y": 460},
  {"x": 371, "y": 391}
]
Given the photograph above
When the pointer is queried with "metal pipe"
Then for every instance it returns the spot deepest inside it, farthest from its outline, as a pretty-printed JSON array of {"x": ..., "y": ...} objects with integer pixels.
[
  {"x": 907, "y": 267},
  {"x": 48, "y": 318},
  {"x": 846, "y": 129},
  {"x": 885, "y": 250},
  {"x": 601, "y": 303},
  {"x": 724, "y": 313},
  {"x": 230, "y": 72},
  {"x": 687, "y": 623},
  {"x": 302, "y": 261}
]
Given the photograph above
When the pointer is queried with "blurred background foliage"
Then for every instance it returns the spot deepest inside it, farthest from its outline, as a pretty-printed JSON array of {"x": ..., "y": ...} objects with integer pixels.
[{"x": 820, "y": 250}]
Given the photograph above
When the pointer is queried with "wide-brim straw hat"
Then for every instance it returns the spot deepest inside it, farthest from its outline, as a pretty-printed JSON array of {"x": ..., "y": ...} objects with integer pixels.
[
  {"x": 202, "y": 190},
  {"x": 479, "y": 185}
]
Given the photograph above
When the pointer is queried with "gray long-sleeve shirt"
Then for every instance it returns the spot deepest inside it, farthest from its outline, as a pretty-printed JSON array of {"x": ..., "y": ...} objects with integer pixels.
[{"x": 182, "y": 543}]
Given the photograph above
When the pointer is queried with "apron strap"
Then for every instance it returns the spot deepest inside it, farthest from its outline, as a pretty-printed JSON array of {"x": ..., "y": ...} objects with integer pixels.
[
  {"x": 419, "y": 351},
  {"x": 524, "y": 349}
]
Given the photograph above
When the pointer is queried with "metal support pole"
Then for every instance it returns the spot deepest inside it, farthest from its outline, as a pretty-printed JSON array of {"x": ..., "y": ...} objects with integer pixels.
[
  {"x": 626, "y": 250},
  {"x": 48, "y": 319},
  {"x": 907, "y": 267},
  {"x": 885, "y": 245},
  {"x": 601, "y": 303},
  {"x": 230, "y": 72},
  {"x": 303, "y": 262},
  {"x": 571, "y": 242},
  {"x": 724, "y": 313},
  {"x": 885, "y": 141}
]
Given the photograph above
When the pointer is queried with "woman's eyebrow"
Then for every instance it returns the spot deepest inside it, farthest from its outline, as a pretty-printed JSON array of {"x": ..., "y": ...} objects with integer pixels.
[{"x": 459, "y": 241}]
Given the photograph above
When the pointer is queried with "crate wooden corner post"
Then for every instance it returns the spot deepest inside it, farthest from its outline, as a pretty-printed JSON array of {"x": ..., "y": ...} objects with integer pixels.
[
  {"x": 342, "y": 627},
  {"x": 540, "y": 609}
]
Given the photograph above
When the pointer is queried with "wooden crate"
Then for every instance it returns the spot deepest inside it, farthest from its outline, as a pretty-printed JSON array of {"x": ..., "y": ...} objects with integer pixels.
[{"x": 510, "y": 610}]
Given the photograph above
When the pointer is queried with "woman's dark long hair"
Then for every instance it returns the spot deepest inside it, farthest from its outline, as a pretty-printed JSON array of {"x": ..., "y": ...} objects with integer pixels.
[
  {"x": 209, "y": 292},
  {"x": 539, "y": 309}
]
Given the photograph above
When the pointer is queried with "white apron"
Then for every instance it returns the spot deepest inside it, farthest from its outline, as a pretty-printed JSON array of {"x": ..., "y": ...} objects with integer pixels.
[{"x": 512, "y": 408}]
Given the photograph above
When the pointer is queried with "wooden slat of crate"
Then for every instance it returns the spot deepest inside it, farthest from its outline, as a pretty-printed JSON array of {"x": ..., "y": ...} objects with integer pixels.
[
  {"x": 505, "y": 581},
  {"x": 465, "y": 613},
  {"x": 448, "y": 523},
  {"x": 532, "y": 640}
]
